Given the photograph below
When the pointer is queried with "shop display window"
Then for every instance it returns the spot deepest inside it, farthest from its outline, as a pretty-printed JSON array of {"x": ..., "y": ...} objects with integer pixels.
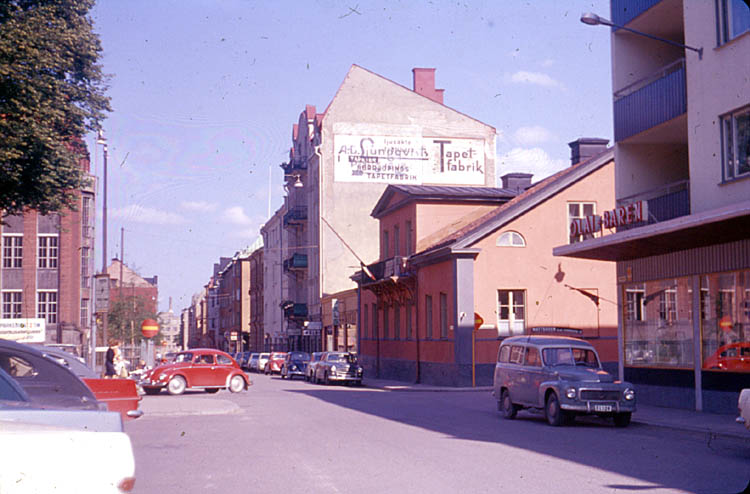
[
  {"x": 658, "y": 327},
  {"x": 725, "y": 321}
]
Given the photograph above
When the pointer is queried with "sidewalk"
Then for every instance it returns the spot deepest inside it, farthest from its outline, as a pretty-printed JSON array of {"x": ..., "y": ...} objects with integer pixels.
[{"x": 671, "y": 418}]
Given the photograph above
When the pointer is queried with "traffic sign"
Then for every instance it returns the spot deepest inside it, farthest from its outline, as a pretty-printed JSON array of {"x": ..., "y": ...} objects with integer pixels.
[{"x": 478, "y": 321}]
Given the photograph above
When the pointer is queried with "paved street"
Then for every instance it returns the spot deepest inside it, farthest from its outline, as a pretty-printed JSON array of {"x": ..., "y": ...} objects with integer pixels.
[{"x": 285, "y": 436}]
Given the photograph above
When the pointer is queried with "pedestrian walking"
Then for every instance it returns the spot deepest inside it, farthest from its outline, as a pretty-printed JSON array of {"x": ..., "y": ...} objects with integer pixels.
[{"x": 113, "y": 351}]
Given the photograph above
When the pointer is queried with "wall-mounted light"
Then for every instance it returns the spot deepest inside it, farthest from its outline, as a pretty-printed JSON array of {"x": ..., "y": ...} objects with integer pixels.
[
  {"x": 594, "y": 20},
  {"x": 297, "y": 180}
]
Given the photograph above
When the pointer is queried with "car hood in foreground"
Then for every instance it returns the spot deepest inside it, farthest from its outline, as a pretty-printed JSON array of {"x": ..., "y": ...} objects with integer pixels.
[{"x": 588, "y": 374}]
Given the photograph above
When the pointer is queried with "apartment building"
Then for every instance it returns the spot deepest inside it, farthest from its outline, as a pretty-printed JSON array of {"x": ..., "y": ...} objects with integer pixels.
[
  {"x": 373, "y": 133},
  {"x": 680, "y": 235},
  {"x": 46, "y": 270},
  {"x": 275, "y": 287}
]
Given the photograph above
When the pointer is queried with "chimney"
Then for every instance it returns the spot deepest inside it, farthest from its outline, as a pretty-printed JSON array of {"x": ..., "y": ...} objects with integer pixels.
[
  {"x": 585, "y": 148},
  {"x": 517, "y": 182},
  {"x": 424, "y": 84}
]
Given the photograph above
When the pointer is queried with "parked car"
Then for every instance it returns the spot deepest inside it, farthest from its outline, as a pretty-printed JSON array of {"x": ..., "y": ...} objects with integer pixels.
[
  {"x": 262, "y": 360},
  {"x": 242, "y": 359},
  {"x": 199, "y": 368},
  {"x": 295, "y": 364},
  {"x": 338, "y": 367},
  {"x": 120, "y": 395},
  {"x": 731, "y": 357},
  {"x": 561, "y": 375},
  {"x": 314, "y": 359},
  {"x": 252, "y": 362},
  {"x": 743, "y": 406},
  {"x": 274, "y": 363},
  {"x": 46, "y": 382}
]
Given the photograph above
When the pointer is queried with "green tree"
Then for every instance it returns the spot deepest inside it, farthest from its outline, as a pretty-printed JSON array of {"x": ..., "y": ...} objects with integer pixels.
[
  {"x": 125, "y": 317},
  {"x": 52, "y": 92}
]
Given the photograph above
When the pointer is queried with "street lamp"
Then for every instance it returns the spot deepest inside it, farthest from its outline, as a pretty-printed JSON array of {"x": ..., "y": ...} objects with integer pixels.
[{"x": 594, "y": 20}]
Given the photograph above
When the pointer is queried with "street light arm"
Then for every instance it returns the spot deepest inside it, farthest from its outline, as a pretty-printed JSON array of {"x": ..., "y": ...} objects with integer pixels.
[{"x": 592, "y": 19}]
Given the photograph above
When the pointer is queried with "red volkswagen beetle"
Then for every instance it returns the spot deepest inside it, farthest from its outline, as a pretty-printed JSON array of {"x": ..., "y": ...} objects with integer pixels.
[{"x": 197, "y": 368}]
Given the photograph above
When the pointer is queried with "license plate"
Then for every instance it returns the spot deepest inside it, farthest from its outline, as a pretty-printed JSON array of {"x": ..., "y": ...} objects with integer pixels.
[{"x": 603, "y": 408}]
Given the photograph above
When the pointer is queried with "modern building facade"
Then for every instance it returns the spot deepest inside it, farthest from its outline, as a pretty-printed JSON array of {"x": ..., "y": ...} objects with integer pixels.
[
  {"x": 486, "y": 252},
  {"x": 373, "y": 133},
  {"x": 47, "y": 268},
  {"x": 275, "y": 285},
  {"x": 682, "y": 241}
]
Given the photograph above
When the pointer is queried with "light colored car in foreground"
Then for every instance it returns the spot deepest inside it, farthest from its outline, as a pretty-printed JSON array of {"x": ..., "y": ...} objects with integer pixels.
[
  {"x": 560, "y": 375},
  {"x": 743, "y": 406},
  {"x": 312, "y": 364}
]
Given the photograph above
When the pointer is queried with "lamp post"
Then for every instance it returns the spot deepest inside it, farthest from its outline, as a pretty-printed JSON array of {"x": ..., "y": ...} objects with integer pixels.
[
  {"x": 100, "y": 139},
  {"x": 594, "y": 20}
]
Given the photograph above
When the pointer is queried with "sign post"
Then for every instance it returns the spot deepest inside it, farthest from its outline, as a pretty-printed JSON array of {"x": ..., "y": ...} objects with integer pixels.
[{"x": 478, "y": 321}]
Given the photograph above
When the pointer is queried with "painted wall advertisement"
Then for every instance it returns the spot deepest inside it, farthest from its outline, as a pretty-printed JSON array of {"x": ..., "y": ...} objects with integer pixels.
[
  {"x": 409, "y": 160},
  {"x": 23, "y": 330}
]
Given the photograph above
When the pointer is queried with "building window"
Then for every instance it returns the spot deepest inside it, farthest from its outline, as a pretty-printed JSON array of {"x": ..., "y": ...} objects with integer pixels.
[
  {"x": 736, "y": 146},
  {"x": 725, "y": 324},
  {"x": 443, "y": 315},
  {"x": 511, "y": 310},
  {"x": 577, "y": 211},
  {"x": 396, "y": 241},
  {"x": 12, "y": 304},
  {"x": 409, "y": 239},
  {"x": 510, "y": 239},
  {"x": 47, "y": 252},
  {"x": 386, "y": 323},
  {"x": 375, "y": 320},
  {"x": 86, "y": 226},
  {"x": 428, "y": 315},
  {"x": 46, "y": 306},
  {"x": 658, "y": 328},
  {"x": 365, "y": 317},
  {"x": 84, "y": 313},
  {"x": 396, "y": 322},
  {"x": 734, "y": 19},
  {"x": 386, "y": 244},
  {"x": 12, "y": 251},
  {"x": 408, "y": 321},
  {"x": 85, "y": 267}
]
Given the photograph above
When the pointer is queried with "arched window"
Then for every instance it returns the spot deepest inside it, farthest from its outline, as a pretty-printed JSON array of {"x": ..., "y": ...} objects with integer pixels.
[{"x": 511, "y": 239}]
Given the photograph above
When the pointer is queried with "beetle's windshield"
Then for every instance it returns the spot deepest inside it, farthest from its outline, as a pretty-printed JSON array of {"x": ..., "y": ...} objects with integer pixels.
[{"x": 570, "y": 356}]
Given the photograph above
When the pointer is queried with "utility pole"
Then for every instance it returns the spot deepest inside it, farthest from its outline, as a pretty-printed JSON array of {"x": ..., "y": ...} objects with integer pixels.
[{"x": 104, "y": 278}]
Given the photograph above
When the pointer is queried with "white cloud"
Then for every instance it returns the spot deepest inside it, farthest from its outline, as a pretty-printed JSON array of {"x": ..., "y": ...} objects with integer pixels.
[
  {"x": 530, "y": 160},
  {"x": 538, "y": 78},
  {"x": 548, "y": 63},
  {"x": 199, "y": 206},
  {"x": 532, "y": 136},
  {"x": 237, "y": 216},
  {"x": 141, "y": 214}
]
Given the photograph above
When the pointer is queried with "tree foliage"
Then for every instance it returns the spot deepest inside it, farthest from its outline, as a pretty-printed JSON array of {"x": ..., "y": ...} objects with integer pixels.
[
  {"x": 52, "y": 92},
  {"x": 125, "y": 317}
]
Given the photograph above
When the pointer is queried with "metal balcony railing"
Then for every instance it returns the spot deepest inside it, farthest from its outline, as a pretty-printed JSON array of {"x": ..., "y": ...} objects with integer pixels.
[
  {"x": 295, "y": 310},
  {"x": 664, "y": 203},
  {"x": 395, "y": 266},
  {"x": 296, "y": 164},
  {"x": 295, "y": 216},
  {"x": 650, "y": 101},
  {"x": 296, "y": 262}
]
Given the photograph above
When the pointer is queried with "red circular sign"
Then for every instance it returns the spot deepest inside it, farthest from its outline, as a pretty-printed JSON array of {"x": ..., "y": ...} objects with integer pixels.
[
  {"x": 149, "y": 328},
  {"x": 725, "y": 323}
]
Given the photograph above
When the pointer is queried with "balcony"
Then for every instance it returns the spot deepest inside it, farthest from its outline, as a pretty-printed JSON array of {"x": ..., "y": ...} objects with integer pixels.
[
  {"x": 624, "y": 11},
  {"x": 297, "y": 262},
  {"x": 651, "y": 101},
  {"x": 295, "y": 165},
  {"x": 296, "y": 216},
  {"x": 390, "y": 268},
  {"x": 294, "y": 310},
  {"x": 665, "y": 203}
]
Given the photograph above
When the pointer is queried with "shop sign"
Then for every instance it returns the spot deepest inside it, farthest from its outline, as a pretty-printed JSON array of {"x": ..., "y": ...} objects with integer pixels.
[
  {"x": 23, "y": 330},
  {"x": 408, "y": 160},
  {"x": 556, "y": 330},
  {"x": 624, "y": 215}
]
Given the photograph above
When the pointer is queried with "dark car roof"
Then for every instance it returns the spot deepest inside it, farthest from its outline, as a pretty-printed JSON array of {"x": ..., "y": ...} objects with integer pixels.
[
  {"x": 543, "y": 340},
  {"x": 69, "y": 360}
]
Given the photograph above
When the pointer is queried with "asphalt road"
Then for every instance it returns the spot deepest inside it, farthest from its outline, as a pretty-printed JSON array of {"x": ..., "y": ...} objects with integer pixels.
[{"x": 295, "y": 437}]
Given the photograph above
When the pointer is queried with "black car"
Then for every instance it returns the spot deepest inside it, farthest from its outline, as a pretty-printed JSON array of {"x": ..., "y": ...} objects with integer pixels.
[
  {"x": 295, "y": 364},
  {"x": 46, "y": 382}
]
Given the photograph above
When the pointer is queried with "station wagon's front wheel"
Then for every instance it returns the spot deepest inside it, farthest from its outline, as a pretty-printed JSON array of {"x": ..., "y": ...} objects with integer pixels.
[
  {"x": 506, "y": 406},
  {"x": 552, "y": 410}
]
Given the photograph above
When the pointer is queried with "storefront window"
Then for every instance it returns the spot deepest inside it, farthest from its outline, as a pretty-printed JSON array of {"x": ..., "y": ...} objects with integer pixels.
[
  {"x": 725, "y": 321},
  {"x": 658, "y": 324}
]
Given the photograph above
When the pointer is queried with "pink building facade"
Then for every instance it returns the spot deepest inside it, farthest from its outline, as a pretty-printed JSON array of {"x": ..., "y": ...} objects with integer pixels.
[{"x": 445, "y": 257}]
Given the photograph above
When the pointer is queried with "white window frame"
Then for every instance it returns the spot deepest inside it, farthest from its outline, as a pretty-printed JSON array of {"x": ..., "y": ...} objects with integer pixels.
[
  {"x": 85, "y": 321},
  {"x": 730, "y": 146},
  {"x": 12, "y": 250},
  {"x": 510, "y": 239},
  {"x": 47, "y": 305},
  {"x": 580, "y": 215},
  {"x": 48, "y": 251},
  {"x": 12, "y": 309},
  {"x": 726, "y": 20},
  {"x": 514, "y": 324}
]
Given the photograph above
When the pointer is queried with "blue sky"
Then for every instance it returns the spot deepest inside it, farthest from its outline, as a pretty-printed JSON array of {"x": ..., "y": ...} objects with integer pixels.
[{"x": 204, "y": 95}]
